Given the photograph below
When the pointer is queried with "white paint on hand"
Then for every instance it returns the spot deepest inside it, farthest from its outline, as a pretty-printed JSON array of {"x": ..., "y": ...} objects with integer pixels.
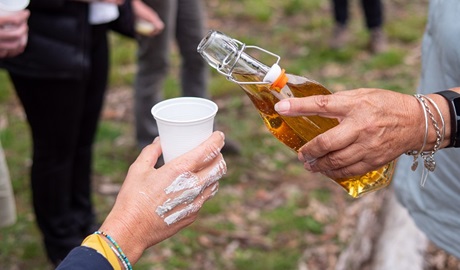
[
  {"x": 184, "y": 181},
  {"x": 192, "y": 187},
  {"x": 179, "y": 215}
]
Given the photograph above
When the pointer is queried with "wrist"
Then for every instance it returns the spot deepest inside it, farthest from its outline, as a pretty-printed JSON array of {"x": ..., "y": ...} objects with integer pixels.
[
  {"x": 416, "y": 119},
  {"x": 128, "y": 241},
  {"x": 433, "y": 113}
]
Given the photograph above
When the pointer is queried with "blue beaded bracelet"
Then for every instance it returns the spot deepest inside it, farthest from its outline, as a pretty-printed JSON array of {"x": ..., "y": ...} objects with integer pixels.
[{"x": 120, "y": 254}]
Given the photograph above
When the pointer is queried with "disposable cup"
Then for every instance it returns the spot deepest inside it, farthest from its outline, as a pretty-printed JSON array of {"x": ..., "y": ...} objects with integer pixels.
[
  {"x": 144, "y": 27},
  {"x": 183, "y": 124},
  {"x": 8, "y": 7}
]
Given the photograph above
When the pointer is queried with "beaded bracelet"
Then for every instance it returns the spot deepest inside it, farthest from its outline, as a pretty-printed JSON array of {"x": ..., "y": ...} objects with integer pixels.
[
  {"x": 115, "y": 251},
  {"x": 119, "y": 252}
]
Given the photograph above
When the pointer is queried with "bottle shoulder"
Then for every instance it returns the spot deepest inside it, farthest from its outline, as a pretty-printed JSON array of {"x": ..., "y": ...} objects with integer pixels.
[
  {"x": 297, "y": 79},
  {"x": 304, "y": 86}
]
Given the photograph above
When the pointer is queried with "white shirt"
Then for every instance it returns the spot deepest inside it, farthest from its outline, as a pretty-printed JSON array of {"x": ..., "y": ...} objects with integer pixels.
[{"x": 100, "y": 12}]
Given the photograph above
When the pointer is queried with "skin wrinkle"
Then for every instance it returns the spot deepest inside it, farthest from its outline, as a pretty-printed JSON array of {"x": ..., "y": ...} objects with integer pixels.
[
  {"x": 322, "y": 102},
  {"x": 191, "y": 191},
  {"x": 143, "y": 194},
  {"x": 212, "y": 155}
]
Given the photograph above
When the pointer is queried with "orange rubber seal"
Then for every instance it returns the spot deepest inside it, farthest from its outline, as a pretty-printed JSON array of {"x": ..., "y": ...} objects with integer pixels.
[{"x": 281, "y": 81}]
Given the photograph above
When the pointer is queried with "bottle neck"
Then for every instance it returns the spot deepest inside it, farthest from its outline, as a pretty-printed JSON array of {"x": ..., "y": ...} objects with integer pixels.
[
  {"x": 248, "y": 65},
  {"x": 227, "y": 56}
]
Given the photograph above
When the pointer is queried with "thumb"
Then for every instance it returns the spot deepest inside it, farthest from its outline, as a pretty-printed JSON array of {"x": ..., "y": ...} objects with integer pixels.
[{"x": 150, "y": 154}]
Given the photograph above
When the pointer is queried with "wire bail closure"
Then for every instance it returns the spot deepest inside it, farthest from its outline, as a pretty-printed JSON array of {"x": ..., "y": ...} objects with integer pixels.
[{"x": 228, "y": 60}]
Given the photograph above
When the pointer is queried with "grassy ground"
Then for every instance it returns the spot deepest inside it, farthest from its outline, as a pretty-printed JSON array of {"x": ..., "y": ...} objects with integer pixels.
[{"x": 269, "y": 212}]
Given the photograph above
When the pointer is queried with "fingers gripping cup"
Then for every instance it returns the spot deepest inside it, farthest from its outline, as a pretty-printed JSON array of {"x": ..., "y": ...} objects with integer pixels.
[{"x": 183, "y": 124}]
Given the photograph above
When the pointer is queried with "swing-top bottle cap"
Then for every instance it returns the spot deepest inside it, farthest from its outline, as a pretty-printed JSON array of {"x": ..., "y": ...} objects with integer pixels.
[
  {"x": 273, "y": 74},
  {"x": 276, "y": 76},
  {"x": 227, "y": 55}
]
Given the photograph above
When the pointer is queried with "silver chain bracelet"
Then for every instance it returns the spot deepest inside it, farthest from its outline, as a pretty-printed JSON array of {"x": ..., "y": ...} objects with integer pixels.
[{"x": 428, "y": 156}]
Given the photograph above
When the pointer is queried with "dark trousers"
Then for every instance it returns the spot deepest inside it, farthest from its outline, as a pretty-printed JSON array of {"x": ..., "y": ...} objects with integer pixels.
[
  {"x": 373, "y": 12},
  {"x": 184, "y": 23},
  {"x": 63, "y": 116}
]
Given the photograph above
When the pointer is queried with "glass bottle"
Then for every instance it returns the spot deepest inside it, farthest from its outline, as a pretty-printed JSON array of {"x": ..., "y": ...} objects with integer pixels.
[{"x": 265, "y": 86}]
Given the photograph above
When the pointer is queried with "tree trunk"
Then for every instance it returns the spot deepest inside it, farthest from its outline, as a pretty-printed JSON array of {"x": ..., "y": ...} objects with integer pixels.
[{"x": 385, "y": 238}]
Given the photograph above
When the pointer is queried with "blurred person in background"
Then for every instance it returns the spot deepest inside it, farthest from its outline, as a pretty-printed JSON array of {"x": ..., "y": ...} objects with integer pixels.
[
  {"x": 183, "y": 21},
  {"x": 374, "y": 19},
  {"x": 13, "y": 40},
  {"x": 61, "y": 79}
]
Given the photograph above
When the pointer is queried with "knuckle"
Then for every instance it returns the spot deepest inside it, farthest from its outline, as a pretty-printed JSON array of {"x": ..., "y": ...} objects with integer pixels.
[
  {"x": 333, "y": 161},
  {"x": 305, "y": 154},
  {"x": 324, "y": 142},
  {"x": 346, "y": 172},
  {"x": 136, "y": 167},
  {"x": 212, "y": 152},
  {"x": 322, "y": 101},
  {"x": 377, "y": 162}
]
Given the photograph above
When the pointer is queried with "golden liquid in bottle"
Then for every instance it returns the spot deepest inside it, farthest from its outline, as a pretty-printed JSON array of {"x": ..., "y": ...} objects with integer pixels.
[{"x": 296, "y": 131}]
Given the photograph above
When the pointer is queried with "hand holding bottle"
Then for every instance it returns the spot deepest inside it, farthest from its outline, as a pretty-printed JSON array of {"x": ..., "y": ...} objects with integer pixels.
[
  {"x": 266, "y": 86},
  {"x": 376, "y": 126}
]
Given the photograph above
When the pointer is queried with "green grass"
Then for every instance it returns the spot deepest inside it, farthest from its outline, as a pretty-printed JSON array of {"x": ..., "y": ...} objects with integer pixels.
[
  {"x": 262, "y": 260},
  {"x": 296, "y": 223},
  {"x": 123, "y": 60},
  {"x": 266, "y": 213},
  {"x": 5, "y": 84}
]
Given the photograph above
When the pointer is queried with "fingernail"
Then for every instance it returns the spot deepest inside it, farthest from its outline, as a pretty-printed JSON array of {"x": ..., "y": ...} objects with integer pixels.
[
  {"x": 283, "y": 106},
  {"x": 156, "y": 139},
  {"x": 310, "y": 161},
  {"x": 306, "y": 158},
  {"x": 222, "y": 134},
  {"x": 301, "y": 157}
]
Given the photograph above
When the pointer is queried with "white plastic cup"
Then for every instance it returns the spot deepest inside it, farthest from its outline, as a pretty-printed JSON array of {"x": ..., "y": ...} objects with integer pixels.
[
  {"x": 144, "y": 27},
  {"x": 8, "y": 7},
  {"x": 183, "y": 124}
]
